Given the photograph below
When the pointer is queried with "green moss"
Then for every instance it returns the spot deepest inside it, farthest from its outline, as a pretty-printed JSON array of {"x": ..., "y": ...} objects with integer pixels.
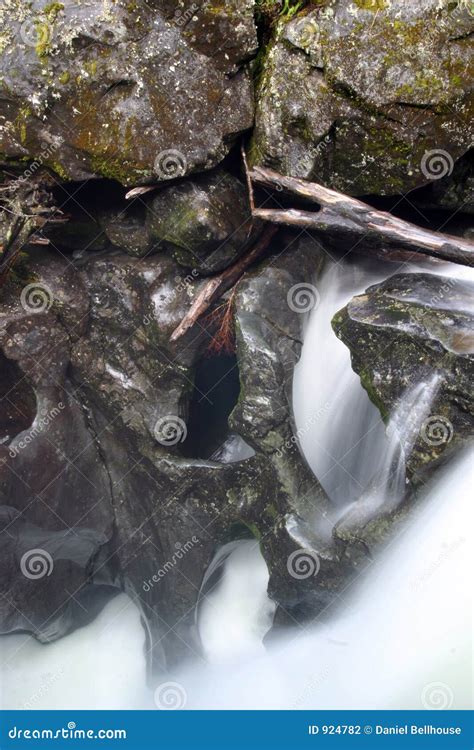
[
  {"x": 52, "y": 10},
  {"x": 374, "y": 5},
  {"x": 116, "y": 169},
  {"x": 91, "y": 67},
  {"x": 270, "y": 11},
  {"x": 43, "y": 46},
  {"x": 57, "y": 167},
  {"x": 366, "y": 381},
  {"x": 64, "y": 78},
  {"x": 271, "y": 511},
  {"x": 253, "y": 528}
]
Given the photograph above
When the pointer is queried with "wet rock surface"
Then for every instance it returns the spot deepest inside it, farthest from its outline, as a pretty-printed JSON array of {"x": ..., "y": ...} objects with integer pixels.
[
  {"x": 97, "y": 483},
  {"x": 367, "y": 98},
  {"x": 127, "y": 461},
  {"x": 137, "y": 92},
  {"x": 411, "y": 329},
  {"x": 204, "y": 222}
]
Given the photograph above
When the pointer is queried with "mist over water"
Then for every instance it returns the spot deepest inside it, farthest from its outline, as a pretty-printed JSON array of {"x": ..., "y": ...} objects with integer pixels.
[{"x": 401, "y": 636}]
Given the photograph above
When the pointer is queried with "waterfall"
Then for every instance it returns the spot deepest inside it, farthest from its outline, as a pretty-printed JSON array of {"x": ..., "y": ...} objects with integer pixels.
[
  {"x": 341, "y": 432},
  {"x": 393, "y": 616},
  {"x": 395, "y": 638}
]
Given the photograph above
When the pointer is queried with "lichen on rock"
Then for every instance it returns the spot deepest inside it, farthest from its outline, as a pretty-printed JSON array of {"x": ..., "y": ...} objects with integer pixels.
[
  {"x": 124, "y": 90},
  {"x": 355, "y": 94}
]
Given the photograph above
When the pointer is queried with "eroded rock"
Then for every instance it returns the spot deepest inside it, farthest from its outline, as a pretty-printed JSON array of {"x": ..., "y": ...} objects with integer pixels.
[{"x": 103, "y": 488}]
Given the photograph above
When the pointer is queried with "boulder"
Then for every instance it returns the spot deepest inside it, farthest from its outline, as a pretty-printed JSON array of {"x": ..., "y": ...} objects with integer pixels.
[
  {"x": 413, "y": 334},
  {"x": 205, "y": 222},
  {"x": 125, "y": 228},
  {"x": 367, "y": 97},
  {"x": 135, "y": 91},
  {"x": 56, "y": 506},
  {"x": 104, "y": 480}
]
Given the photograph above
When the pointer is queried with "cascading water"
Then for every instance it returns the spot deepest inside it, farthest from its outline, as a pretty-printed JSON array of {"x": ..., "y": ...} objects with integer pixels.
[
  {"x": 393, "y": 617},
  {"x": 341, "y": 433}
]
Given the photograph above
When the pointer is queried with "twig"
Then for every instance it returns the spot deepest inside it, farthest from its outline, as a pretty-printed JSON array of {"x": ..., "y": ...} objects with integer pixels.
[{"x": 216, "y": 286}]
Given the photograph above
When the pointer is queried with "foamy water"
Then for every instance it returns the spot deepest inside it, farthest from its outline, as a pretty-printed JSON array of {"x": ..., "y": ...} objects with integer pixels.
[{"x": 402, "y": 635}]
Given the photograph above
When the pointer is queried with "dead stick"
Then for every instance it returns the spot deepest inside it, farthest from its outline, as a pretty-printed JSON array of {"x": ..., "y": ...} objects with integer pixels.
[
  {"x": 341, "y": 214},
  {"x": 216, "y": 286},
  {"x": 247, "y": 177}
]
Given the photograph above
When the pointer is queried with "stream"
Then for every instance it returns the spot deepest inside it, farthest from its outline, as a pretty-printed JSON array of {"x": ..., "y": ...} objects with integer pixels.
[{"x": 393, "y": 642}]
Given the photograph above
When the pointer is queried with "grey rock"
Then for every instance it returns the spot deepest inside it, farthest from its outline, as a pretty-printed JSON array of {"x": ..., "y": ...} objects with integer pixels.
[
  {"x": 412, "y": 329},
  {"x": 205, "y": 222},
  {"x": 134, "y": 91},
  {"x": 107, "y": 494},
  {"x": 367, "y": 97},
  {"x": 126, "y": 229}
]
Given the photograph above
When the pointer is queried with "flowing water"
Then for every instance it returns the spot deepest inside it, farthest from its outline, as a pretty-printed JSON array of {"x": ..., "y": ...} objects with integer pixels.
[{"x": 401, "y": 638}]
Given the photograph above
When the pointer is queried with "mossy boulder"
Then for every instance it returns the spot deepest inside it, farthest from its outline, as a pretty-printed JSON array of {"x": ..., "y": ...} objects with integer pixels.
[
  {"x": 205, "y": 222},
  {"x": 413, "y": 334},
  {"x": 134, "y": 91},
  {"x": 368, "y": 97}
]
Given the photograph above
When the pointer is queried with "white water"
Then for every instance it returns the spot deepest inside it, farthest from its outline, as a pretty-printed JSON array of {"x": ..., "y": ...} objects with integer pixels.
[
  {"x": 402, "y": 633},
  {"x": 402, "y": 630},
  {"x": 341, "y": 432},
  {"x": 405, "y": 626}
]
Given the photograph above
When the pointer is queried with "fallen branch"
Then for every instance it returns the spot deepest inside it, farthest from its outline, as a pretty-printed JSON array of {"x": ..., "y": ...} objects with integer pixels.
[
  {"x": 30, "y": 206},
  {"x": 341, "y": 214},
  {"x": 216, "y": 286}
]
